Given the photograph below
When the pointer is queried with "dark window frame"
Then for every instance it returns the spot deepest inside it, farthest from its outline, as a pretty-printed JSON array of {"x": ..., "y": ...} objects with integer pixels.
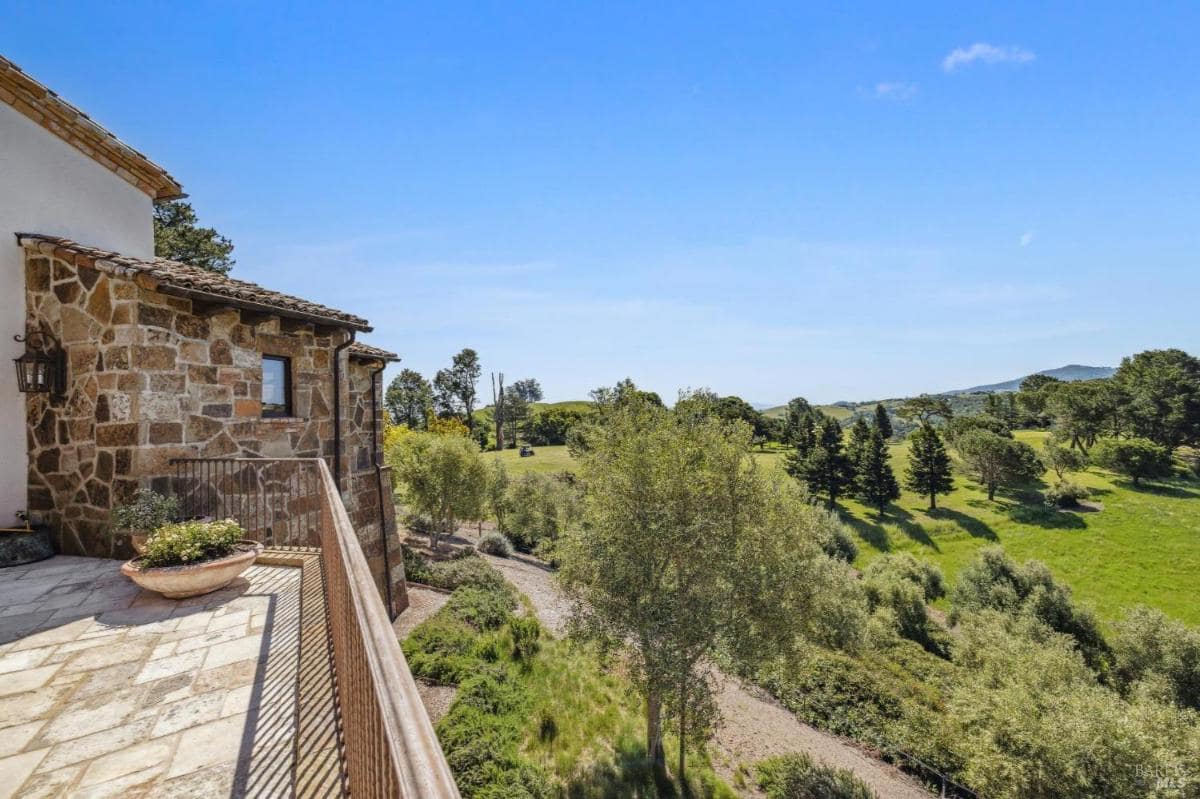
[{"x": 287, "y": 411}]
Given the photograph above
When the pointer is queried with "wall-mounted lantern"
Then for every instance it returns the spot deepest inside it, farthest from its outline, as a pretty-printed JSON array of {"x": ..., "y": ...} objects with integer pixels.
[{"x": 43, "y": 367}]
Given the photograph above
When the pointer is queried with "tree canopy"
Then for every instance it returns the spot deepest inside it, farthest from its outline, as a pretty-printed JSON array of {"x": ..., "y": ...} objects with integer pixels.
[
  {"x": 409, "y": 398},
  {"x": 688, "y": 547},
  {"x": 928, "y": 472},
  {"x": 178, "y": 236},
  {"x": 454, "y": 388}
]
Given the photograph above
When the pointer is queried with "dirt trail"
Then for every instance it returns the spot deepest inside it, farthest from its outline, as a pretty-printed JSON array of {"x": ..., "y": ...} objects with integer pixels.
[{"x": 753, "y": 726}]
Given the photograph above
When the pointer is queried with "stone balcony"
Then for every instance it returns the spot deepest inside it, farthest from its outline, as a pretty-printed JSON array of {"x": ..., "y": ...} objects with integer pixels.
[{"x": 107, "y": 690}]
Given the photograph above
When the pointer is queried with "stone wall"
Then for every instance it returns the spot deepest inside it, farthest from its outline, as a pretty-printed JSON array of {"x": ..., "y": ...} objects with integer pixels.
[{"x": 151, "y": 380}]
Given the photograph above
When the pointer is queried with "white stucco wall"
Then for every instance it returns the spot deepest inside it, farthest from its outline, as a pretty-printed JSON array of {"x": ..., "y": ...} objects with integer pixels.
[{"x": 47, "y": 186}]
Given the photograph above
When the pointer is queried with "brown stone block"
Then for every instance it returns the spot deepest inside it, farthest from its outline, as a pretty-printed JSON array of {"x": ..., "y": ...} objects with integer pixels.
[
  {"x": 160, "y": 358},
  {"x": 229, "y": 377},
  {"x": 123, "y": 290},
  {"x": 291, "y": 346},
  {"x": 37, "y": 274},
  {"x": 154, "y": 316},
  {"x": 81, "y": 429},
  {"x": 83, "y": 357},
  {"x": 102, "y": 412},
  {"x": 202, "y": 428},
  {"x": 156, "y": 461},
  {"x": 221, "y": 445},
  {"x": 242, "y": 336},
  {"x": 68, "y": 292},
  {"x": 180, "y": 304},
  {"x": 99, "y": 305},
  {"x": 130, "y": 381},
  {"x": 247, "y": 407},
  {"x": 123, "y": 461},
  {"x": 116, "y": 358},
  {"x": 168, "y": 382},
  {"x": 104, "y": 466},
  {"x": 193, "y": 351},
  {"x": 192, "y": 326},
  {"x": 77, "y": 326},
  {"x": 87, "y": 276},
  {"x": 202, "y": 374},
  {"x": 220, "y": 353},
  {"x": 119, "y": 434},
  {"x": 123, "y": 314},
  {"x": 217, "y": 411},
  {"x": 47, "y": 461},
  {"x": 166, "y": 432},
  {"x": 63, "y": 271}
]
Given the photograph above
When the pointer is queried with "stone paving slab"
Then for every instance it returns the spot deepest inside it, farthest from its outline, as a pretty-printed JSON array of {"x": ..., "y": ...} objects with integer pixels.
[{"x": 108, "y": 690}]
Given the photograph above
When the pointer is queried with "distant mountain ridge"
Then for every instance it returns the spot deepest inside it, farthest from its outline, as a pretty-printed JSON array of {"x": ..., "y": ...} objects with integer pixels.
[{"x": 1068, "y": 373}]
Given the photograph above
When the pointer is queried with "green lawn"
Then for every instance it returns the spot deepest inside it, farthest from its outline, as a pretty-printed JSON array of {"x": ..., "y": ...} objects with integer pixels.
[
  {"x": 1142, "y": 547},
  {"x": 544, "y": 459}
]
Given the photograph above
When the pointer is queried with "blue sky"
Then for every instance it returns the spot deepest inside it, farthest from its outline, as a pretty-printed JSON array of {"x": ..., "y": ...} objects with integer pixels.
[{"x": 770, "y": 200}]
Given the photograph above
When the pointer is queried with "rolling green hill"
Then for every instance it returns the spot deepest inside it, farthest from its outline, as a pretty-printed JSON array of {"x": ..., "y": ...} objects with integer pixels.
[
  {"x": 839, "y": 412},
  {"x": 1141, "y": 547}
]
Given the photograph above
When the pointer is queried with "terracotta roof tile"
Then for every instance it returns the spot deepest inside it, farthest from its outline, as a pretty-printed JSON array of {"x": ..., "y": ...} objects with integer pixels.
[
  {"x": 172, "y": 277},
  {"x": 367, "y": 352},
  {"x": 76, "y": 128}
]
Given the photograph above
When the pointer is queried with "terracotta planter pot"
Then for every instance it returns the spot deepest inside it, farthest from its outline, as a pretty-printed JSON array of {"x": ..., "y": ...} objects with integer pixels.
[{"x": 194, "y": 579}]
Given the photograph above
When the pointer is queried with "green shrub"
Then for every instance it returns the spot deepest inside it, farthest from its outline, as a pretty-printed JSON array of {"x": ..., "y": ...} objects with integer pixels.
[
  {"x": 525, "y": 632},
  {"x": 148, "y": 511},
  {"x": 443, "y": 649},
  {"x": 482, "y": 608},
  {"x": 416, "y": 567},
  {"x": 835, "y": 541},
  {"x": 799, "y": 777},
  {"x": 466, "y": 569},
  {"x": 1147, "y": 646},
  {"x": 994, "y": 581},
  {"x": 191, "y": 542},
  {"x": 540, "y": 507},
  {"x": 495, "y": 544},
  {"x": 924, "y": 574},
  {"x": 1136, "y": 458},
  {"x": 1065, "y": 494}
]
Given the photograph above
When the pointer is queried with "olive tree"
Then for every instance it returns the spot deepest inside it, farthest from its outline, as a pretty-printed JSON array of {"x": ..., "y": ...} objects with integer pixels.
[
  {"x": 442, "y": 478},
  {"x": 687, "y": 548}
]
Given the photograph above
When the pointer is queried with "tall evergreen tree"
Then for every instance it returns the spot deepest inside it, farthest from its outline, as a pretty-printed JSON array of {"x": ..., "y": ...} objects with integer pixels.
[
  {"x": 826, "y": 469},
  {"x": 179, "y": 237},
  {"x": 928, "y": 472},
  {"x": 860, "y": 433},
  {"x": 883, "y": 422},
  {"x": 874, "y": 480}
]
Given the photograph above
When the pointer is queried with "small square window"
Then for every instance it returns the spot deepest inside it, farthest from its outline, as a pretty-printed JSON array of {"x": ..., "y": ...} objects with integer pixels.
[{"x": 276, "y": 386}]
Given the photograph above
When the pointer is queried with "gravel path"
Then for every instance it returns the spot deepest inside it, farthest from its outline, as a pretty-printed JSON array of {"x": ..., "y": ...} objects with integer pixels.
[
  {"x": 423, "y": 603},
  {"x": 753, "y": 726}
]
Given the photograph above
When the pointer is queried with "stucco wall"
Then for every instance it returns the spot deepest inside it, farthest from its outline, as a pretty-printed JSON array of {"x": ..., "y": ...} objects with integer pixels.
[{"x": 47, "y": 186}]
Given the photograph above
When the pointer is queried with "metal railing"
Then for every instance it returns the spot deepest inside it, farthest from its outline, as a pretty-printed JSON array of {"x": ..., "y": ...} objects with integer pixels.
[{"x": 389, "y": 746}]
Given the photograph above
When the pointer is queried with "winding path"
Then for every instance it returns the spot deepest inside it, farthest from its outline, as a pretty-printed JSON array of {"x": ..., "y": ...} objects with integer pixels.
[{"x": 753, "y": 725}]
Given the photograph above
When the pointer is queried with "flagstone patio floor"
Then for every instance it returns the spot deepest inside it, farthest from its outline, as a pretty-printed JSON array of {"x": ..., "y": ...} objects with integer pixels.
[{"x": 108, "y": 690}]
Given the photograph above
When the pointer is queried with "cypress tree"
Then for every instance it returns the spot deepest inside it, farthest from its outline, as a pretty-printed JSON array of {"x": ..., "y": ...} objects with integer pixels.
[
  {"x": 883, "y": 422},
  {"x": 875, "y": 481},
  {"x": 928, "y": 472}
]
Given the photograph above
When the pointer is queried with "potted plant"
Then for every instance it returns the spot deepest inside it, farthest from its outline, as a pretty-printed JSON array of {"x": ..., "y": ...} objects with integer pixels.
[
  {"x": 192, "y": 558},
  {"x": 148, "y": 512}
]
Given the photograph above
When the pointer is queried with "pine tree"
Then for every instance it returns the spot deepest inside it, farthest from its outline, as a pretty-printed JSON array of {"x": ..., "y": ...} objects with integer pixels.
[
  {"x": 883, "y": 422},
  {"x": 928, "y": 472},
  {"x": 875, "y": 481},
  {"x": 860, "y": 434},
  {"x": 804, "y": 438},
  {"x": 825, "y": 469}
]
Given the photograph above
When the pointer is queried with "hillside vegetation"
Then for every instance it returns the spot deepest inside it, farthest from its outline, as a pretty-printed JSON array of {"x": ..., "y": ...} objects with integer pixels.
[{"x": 1142, "y": 546}]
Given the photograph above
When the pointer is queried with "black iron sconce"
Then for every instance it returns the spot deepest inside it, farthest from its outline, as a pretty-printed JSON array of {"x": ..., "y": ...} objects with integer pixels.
[{"x": 43, "y": 367}]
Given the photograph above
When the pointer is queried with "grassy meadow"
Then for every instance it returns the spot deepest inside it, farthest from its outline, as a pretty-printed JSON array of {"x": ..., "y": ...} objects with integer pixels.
[{"x": 1141, "y": 547}]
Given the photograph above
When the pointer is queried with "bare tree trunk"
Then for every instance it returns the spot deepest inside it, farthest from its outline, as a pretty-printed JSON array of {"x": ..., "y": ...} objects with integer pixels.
[
  {"x": 933, "y": 500},
  {"x": 682, "y": 733},
  {"x": 498, "y": 406},
  {"x": 654, "y": 743}
]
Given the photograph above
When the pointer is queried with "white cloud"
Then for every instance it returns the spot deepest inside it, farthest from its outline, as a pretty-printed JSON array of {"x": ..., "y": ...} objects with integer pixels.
[
  {"x": 987, "y": 54},
  {"x": 1026, "y": 238},
  {"x": 895, "y": 90}
]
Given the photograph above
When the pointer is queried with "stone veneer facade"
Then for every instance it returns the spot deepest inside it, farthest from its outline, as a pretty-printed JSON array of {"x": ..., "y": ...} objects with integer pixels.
[{"x": 150, "y": 379}]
